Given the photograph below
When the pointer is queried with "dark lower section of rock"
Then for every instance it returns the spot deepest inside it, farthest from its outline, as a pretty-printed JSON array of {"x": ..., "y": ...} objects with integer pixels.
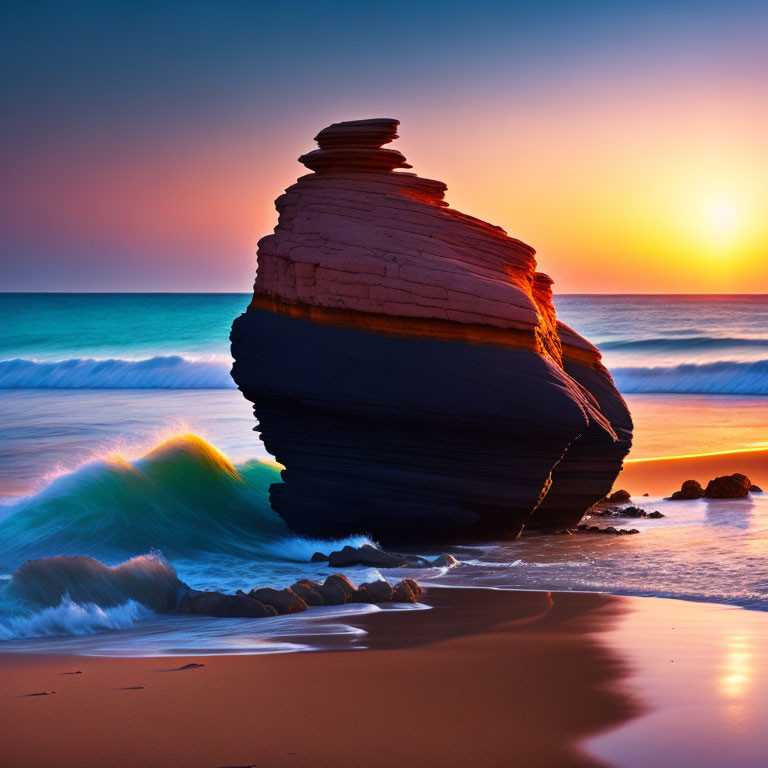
[
  {"x": 418, "y": 440},
  {"x": 587, "y": 471}
]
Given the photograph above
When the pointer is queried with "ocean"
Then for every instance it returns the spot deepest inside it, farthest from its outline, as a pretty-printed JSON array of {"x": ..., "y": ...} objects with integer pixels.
[{"x": 123, "y": 437}]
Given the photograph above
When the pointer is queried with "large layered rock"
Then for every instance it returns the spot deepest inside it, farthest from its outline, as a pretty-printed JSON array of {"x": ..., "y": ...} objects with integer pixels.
[{"x": 406, "y": 365}]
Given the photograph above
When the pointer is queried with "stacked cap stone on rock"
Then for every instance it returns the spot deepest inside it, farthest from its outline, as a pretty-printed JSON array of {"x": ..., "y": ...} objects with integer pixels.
[
  {"x": 370, "y": 134},
  {"x": 356, "y": 146},
  {"x": 406, "y": 364}
]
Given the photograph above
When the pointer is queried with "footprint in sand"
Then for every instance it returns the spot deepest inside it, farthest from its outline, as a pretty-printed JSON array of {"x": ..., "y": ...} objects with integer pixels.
[{"x": 38, "y": 693}]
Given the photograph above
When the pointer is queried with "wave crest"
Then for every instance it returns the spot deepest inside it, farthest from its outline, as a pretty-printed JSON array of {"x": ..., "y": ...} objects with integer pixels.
[
  {"x": 184, "y": 497},
  {"x": 147, "y": 579},
  {"x": 164, "y": 372},
  {"x": 684, "y": 343},
  {"x": 720, "y": 378}
]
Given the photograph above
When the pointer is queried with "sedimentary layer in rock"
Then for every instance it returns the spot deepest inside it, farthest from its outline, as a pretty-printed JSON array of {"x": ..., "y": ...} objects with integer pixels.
[{"x": 406, "y": 365}]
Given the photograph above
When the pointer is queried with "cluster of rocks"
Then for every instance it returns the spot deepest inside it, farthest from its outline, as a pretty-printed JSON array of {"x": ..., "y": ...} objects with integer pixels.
[
  {"x": 264, "y": 602},
  {"x": 630, "y": 511},
  {"x": 373, "y": 557},
  {"x": 383, "y": 323},
  {"x": 735, "y": 486},
  {"x": 608, "y": 529}
]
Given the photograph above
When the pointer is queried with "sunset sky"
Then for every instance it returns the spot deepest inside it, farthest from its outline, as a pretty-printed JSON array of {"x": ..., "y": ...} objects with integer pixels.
[{"x": 143, "y": 143}]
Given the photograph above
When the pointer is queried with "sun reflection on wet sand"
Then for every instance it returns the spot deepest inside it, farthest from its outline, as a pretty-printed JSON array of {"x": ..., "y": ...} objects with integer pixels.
[
  {"x": 737, "y": 668},
  {"x": 698, "y": 670},
  {"x": 736, "y": 681}
]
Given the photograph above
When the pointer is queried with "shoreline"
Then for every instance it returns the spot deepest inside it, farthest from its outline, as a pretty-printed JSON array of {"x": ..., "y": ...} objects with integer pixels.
[
  {"x": 487, "y": 677},
  {"x": 527, "y": 681}
]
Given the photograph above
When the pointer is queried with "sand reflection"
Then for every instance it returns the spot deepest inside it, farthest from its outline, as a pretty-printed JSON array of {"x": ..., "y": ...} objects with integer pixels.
[{"x": 700, "y": 671}]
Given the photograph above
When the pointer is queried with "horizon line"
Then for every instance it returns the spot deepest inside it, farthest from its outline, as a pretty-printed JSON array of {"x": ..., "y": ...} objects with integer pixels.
[{"x": 246, "y": 293}]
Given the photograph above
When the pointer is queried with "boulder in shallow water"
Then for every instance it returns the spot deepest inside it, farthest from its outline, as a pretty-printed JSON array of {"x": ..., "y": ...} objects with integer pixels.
[
  {"x": 337, "y": 590},
  {"x": 414, "y": 586},
  {"x": 734, "y": 486},
  {"x": 406, "y": 591},
  {"x": 755, "y": 489},
  {"x": 365, "y": 555},
  {"x": 691, "y": 489},
  {"x": 619, "y": 497},
  {"x": 373, "y": 557},
  {"x": 339, "y": 581},
  {"x": 307, "y": 590},
  {"x": 374, "y": 592},
  {"x": 224, "y": 606},
  {"x": 282, "y": 600}
]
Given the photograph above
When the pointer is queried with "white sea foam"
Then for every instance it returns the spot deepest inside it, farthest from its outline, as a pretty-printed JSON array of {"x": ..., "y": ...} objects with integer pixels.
[
  {"x": 719, "y": 378},
  {"x": 162, "y": 372},
  {"x": 177, "y": 372},
  {"x": 70, "y": 618}
]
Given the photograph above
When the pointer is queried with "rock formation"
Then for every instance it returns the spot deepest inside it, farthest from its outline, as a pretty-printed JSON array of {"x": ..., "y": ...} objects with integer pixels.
[
  {"x": 691, "y": 489},
  {"x": 372, "y": 557},
  {"x": 736, "y": 486},
  {"x": 406, "y": 365},
  {"x": 266, "y": 602}
]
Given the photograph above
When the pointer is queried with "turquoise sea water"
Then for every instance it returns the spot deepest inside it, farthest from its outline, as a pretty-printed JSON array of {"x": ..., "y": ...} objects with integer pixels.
[
  {"x": 92, "y": 384},
  {"x": 653, "y": 344}
]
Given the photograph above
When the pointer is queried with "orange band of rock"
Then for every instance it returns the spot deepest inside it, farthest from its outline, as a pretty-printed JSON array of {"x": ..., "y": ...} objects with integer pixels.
[{"x": 430, "y": 328}]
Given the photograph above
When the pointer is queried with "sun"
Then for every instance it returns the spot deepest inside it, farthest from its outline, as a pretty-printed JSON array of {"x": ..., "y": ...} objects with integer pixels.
[{"x": 722, "y": 218}]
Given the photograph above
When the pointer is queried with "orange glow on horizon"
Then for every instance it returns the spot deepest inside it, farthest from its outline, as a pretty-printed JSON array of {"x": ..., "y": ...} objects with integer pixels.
[{"x": 614, "y": 198}]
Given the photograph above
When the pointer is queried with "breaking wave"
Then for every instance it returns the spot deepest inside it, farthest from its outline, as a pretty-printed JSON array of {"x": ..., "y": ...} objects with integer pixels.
[
  {"x": 184, "y": 497},
  {"x": 50, "y": 581},
  {"x": 71, "y": 618},
  {"x": 719, "y": 378},
  {"x": 164, "y": 372},
  {"x": 81, "y": 596},
  {"x": 683, "y": 344}
]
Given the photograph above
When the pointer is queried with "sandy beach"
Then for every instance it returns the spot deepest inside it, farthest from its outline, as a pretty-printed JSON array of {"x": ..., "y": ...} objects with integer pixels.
[{"x": 488, "y": 678}]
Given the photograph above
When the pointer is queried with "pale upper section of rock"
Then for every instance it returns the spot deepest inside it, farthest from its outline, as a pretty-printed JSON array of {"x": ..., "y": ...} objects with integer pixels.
[{"x": 357, "y": 235}]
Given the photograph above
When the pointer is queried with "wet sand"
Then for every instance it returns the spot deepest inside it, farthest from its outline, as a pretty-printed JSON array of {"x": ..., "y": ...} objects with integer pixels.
[
  {"x": 662, "y": 476},
  {"x": 486, "y": 678}
]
